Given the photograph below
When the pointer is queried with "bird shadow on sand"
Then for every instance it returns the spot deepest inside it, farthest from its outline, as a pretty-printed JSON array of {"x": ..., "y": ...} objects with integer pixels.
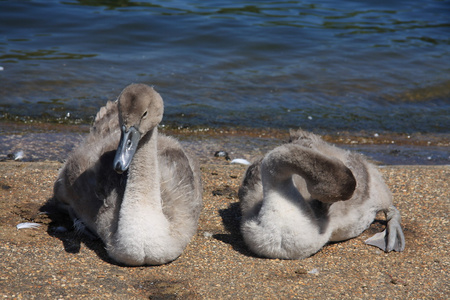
[
  {"x": 61, "y": 227},
  {"x": 231, "y": 220}
]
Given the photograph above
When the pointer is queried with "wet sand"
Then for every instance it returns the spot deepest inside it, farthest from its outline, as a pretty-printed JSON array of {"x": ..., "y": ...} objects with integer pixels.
[
  {"x": 51, "y": 142},
  {"x": 43, "y": 263}
]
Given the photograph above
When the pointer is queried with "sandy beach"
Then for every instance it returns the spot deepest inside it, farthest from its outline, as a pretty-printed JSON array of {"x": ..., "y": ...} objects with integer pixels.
[
  {"x": 44, "y": 263},
  {"x": 235, "y": 76}
]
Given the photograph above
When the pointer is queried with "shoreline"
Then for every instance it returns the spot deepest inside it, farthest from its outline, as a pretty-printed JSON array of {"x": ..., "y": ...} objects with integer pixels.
[
  {"x": 51, "y": 142},
  {"x": 50, "y": 263}
]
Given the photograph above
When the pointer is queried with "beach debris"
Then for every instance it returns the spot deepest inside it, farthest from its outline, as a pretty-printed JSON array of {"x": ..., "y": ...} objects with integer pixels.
[
  {"x": 222, "y": 153},
  {"x": 207, "y": 234},
  {"x": 28, "y": 225},
  {"x": 241, "y": 161},
  {"x": 310, "y": 118},
  {"x": 314, "y": 271},
  {"x": 302, "y": 271},
  {"x": 18, "y": 155},
  {"x": 1, "y": 68}
]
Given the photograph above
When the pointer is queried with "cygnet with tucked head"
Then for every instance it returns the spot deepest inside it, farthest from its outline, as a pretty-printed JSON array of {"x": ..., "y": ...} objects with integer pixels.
[
  {"x": 137, "y": 190},
  {"x": 307, "y": 193}
]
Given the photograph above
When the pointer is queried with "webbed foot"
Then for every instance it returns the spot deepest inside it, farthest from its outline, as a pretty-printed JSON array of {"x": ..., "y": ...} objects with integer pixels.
[{"x": 392, "y": 238}]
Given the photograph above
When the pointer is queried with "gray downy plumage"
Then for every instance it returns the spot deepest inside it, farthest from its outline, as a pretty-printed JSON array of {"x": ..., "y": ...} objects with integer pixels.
[
  {"x": 137, "y": 190},
  {"x": 307, "y": 193}
]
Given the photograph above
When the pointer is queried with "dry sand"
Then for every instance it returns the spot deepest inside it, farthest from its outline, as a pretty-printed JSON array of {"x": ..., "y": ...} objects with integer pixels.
[{"x": 45, "y": 264}]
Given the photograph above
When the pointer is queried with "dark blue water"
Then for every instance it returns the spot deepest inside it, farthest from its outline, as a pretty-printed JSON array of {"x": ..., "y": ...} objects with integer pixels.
[{"x": 379, "y": 66}]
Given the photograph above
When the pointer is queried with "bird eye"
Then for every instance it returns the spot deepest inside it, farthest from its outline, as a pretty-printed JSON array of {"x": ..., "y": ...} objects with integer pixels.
[{"x": 144, "y": 115}]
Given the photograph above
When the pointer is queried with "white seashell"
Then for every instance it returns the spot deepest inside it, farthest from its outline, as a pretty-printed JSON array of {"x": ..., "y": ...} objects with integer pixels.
[
  {"x": 18, "y": 155},
  {"x": 240, "y": 161},
  {"x": 28, "y": 225}
]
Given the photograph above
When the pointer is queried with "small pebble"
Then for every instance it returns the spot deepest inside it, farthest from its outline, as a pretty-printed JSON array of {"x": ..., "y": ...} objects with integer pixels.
[{"x": 207, "y": 234}]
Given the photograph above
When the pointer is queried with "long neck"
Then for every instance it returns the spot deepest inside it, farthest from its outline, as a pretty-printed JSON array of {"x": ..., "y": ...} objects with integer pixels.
[
  {"x": 328, "y": 179},
  {"x": 143, "y": 234},
  {"x": 283, "y": 202},
  {"x": 143, "y": 183}
]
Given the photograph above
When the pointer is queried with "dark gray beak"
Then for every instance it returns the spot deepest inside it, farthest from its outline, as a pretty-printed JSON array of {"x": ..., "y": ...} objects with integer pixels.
[{"x": 127, "y": 147}]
